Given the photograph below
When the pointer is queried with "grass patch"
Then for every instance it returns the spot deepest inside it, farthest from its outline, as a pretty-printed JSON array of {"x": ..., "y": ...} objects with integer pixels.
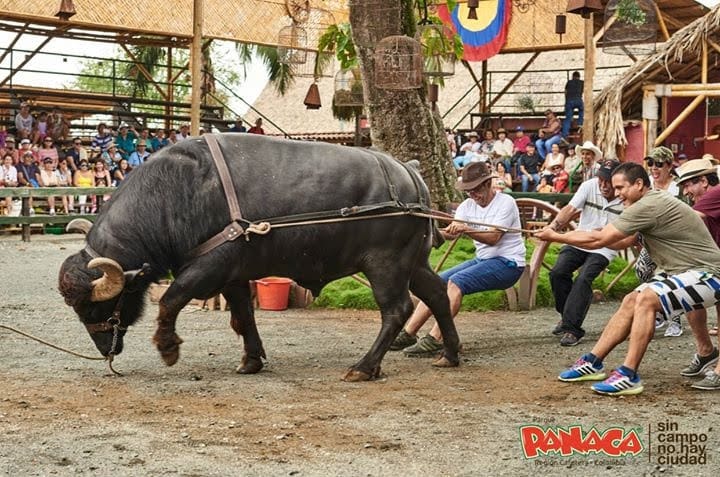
[{"x": 348, "y": 293}]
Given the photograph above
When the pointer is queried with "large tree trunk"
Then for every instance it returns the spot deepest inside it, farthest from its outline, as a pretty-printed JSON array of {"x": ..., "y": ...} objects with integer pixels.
[{"x": 402, "y": 123}]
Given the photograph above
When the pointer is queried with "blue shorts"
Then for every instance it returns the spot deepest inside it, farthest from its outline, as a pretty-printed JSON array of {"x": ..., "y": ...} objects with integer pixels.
[{"x": 478, "y": 275}]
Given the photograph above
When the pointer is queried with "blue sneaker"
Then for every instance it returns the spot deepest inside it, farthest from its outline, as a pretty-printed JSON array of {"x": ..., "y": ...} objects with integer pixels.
[
  {"x": 583, "y": 370},
  {"x": 619, "y": 384}
]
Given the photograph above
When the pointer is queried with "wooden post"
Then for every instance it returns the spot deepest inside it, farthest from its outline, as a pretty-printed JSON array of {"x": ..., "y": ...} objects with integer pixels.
[
  {"x": 589, "y": 120},
  {"x": 25, "y": 212},
  {"x": 679, "y": 119},
  {"x": 484, "y": 94},
  {"x": 196, "y": 67},
  {"x": 704, "y": 63},
  {"x": 170, "y": 90}
]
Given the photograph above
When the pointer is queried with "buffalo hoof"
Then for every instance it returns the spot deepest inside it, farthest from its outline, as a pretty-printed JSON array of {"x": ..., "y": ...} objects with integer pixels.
[
  {"x": 445, "y": 362},
  {"x": 169, "y": 349},
  {"x": 249, "y": 365},
  {"x": 355, "y": 375}
]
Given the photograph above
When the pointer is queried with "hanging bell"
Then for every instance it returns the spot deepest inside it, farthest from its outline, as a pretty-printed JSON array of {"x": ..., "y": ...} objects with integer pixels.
[
  {"x": 472, "y": 9},
  {"x": 560, "y": 25},
  {"x": 584, "y": 7},
  {"x": 312, "y": 98},
  {"x": 67, "y": 9},
  {"x": 433, "y": 92}
]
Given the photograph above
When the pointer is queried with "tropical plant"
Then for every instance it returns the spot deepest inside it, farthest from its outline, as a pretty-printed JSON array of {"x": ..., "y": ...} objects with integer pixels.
[
  {"x": 526, "y": 103},
  {"x": 630, "y": 12}
]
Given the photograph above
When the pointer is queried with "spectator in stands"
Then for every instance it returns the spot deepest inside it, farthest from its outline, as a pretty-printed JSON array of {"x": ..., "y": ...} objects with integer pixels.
[
  {"x": 499, "y": 256},
  {"x": 544, "y": 187},
  {"x": 76, "y": 154},
  {"x": 503, "y": 181},
  {"x": 257, "y": 129},
  {"x": 28, "y": 174},
  {"x": 64, "y": 176},
  {"x": 486, "y": 145},
  {"x": 573, "y": 100},
  {"x": 530, "y": 165},
  {"x": 145, "y": 136},
  {"x": 548, "y": 134},
  {"x": 519, "y": 146},
  {"x": 10, "y": 149},
  {"x": 121, "y": 171},
  {"x": 502, "y": 149},
  {"x": 172, "y": 137},
  {"x": 682, "y": 159},
  {"x": 112, "y": 157},
  {"x": 598, "y": 206},
  {"x": 452, "y": 145},
  {"x": 40, "y": 131},
  {"x": 59, "y": 124},
  {"x": 26, "y": 146},
  {"x": 660, "y": 168},
  {"x": 590, "y": 155},
  {"x": 48, "y": 149},
  {"x": 24, "y": 122},
  {"x": 159, "y": 141},
  {"x": 84, "y": 177},
  {"x": 467, "y": 151},
  {"x": 572, "y": 160},
  {"x": 183, "y": 133},
  {"x": 103, "y": 138},
  {"x": 126, "y": 139},
  {"x": 8, "y": 177},
  {"x": 238, "y": 127},
  {"x": 560, "y": 178},
  {"x": 48, "y": 178},
  {"x": 139, "y": 156}
]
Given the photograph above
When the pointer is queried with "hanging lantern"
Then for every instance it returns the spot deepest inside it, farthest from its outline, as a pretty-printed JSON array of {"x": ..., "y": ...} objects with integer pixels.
[
  {"x": 631, "y": 27},
  {"x": 312, "y": 98},
  {"x": 584, "y": 7},
  {"x": 67, "y": 9},
  {"x": 472, "y": 9},
  {"x": 560, "y": 25},
  {"x": 292, "y": 45},
  {"x": 348, "y": 88},
  {"x": 437, "y": 48},
  {"x": 398, "y": 63}
]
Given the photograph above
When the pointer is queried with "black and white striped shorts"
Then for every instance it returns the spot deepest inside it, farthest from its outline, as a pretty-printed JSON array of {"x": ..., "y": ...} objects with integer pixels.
[{"x": 691, "y": 290}]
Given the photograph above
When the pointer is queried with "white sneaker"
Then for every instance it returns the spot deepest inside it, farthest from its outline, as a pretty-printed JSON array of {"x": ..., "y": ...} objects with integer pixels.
[
  {"x": 660, "y": 321},
  {"x": 674, "y": 329}
]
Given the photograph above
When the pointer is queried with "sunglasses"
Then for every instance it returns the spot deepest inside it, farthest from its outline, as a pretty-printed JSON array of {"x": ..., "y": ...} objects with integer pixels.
[
  {"x": 83, "y": 165},
  {"x": 652, "y": 163}
]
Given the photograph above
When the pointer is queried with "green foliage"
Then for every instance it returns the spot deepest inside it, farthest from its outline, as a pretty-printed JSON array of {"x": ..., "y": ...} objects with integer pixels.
[
  {"x": 348, "y": 293},
  {"x": 526, "y": 103},
  {"x": 630, "y": 12},
  {"x": 279, "y": 74},
  {"x": 338, "y": 39}
]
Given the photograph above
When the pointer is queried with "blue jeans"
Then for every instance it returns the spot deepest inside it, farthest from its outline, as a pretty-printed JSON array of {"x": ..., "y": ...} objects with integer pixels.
[
  {"x": 478, "y": 275},
  {"x": 461, "y": 161},
  {"x": 526, "y": 182},
  {"x": 570, "y": 107},
  {"x": 544, "y": 145}
]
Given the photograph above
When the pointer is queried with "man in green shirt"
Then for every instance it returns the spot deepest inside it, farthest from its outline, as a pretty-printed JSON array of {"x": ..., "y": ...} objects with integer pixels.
[{"x": 678, "y": 241}]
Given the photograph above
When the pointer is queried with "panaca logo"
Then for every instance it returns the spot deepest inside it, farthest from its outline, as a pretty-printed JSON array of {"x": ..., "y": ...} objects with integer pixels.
[{"x": 613, "y": 442}]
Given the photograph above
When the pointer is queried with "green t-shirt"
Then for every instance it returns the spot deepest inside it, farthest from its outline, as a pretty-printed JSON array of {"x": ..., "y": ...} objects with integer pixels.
[{"x": 675, "y": 236}]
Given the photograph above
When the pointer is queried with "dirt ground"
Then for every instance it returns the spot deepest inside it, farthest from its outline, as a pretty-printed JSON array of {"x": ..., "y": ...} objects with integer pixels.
[{"x": 62, "y": 415}]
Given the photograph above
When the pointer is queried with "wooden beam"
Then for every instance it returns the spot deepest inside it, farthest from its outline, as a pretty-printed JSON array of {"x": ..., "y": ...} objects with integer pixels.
[
  {"x": 144, "y": 71},
  {"x": 26, "y": 61},
  {"x": 588, "y": 129},
  {"x": 196, "y": 67},
  {"x": 483, "y": 97},
  {"x": 9, "y": 48},
  {"x": 513, "y": 79},
  {"x": 679, "y": 119},
  {"x": 661, "y": 22},
  {"x": 704, "y": 63}
]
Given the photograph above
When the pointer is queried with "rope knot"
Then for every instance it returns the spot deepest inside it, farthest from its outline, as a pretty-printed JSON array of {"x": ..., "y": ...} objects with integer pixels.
[{"x": 262, "y": 228}]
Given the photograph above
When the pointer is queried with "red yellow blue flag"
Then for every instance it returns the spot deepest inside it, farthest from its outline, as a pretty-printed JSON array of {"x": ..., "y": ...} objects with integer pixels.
[{"x": 482, "y": 37}]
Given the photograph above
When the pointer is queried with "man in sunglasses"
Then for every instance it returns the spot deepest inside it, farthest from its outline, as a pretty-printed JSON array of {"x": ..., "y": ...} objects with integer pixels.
[
  {"x": 499, "y": 255},
  {"x": 678, "y": 241}
]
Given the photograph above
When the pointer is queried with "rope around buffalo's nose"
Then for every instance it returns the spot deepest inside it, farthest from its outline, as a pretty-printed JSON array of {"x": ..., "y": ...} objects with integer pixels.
[{"x": 109, "y": 359}]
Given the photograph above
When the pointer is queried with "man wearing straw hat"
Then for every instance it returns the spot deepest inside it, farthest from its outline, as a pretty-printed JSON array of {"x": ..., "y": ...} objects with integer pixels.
[
  {"x": 499, "y": 254},
  {"x": 698, "y": 181},
  {"x": 598, "y": 206},
  {"x": 678, "y": 241}
]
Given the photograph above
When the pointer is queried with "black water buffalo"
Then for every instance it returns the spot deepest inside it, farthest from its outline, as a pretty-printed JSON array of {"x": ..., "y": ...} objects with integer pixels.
[{"x": 175, "y": 202}]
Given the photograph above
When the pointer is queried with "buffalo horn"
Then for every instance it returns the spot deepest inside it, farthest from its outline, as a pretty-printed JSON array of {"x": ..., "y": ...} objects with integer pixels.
[
  {"x": 111, "y": 283},
  {"x": 79, "y": 225}
]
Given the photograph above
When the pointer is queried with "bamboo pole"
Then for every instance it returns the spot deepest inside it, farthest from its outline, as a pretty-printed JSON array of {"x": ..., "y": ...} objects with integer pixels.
[
  {"x": 704, "y": 63},
  {"x": 713, "y": 93},
  {"x": 589, "y": 119},
  {"x": 196, "y": 67},
  {"x": 693, "y": 87},
  {"x": 679, "y": 119},
  {"x": 661, "y": 22}
]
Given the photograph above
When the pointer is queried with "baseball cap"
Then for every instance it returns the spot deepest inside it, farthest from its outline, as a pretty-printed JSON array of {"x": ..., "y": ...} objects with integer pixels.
[
  {"x": 520, "y": 128},
  {"x": 607, "y": 168},
  {"x": 25, "y": 141}
]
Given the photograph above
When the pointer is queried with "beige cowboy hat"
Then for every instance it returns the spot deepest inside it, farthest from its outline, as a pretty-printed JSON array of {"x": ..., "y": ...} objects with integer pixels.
[
  {"x": 472, "y": 134},
  {"x": 589, "y": 146},
  {"x": 555, "y": 162},
  {"x": 473, "y": 175},
  {"x": 695, "y": 168}
]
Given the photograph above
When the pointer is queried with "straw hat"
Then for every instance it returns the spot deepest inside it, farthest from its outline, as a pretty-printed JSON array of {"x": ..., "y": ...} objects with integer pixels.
[
  {"x": 555, "y": 162},
  {"x": 501, "y": 130},
  {"x": 473, "y": 175},
  {"x": 472, "y": 134},
  {"x": 694, "y": 168},
  {"x": 589, "y": 146}
]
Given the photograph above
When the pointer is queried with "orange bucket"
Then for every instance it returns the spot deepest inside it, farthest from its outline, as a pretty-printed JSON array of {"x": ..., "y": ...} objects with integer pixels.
[{"x": 273, "y": 293}]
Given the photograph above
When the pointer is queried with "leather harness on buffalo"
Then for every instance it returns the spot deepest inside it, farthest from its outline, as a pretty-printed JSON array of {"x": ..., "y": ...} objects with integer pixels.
[{"x": 181, "y": 212}]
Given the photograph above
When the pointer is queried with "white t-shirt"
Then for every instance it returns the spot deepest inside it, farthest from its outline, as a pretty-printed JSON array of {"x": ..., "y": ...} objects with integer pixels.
[
  {"x": 8, "y": 175},
  {"x": 596, "y": 211},
  {"x": 673, "y": 189},
  {"x": 503, "y": 148},
  {"x": 502, "y": 211}
]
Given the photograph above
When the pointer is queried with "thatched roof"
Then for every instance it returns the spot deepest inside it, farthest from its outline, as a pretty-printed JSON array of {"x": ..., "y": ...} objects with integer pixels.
[{"x": 676, "y": 61}]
